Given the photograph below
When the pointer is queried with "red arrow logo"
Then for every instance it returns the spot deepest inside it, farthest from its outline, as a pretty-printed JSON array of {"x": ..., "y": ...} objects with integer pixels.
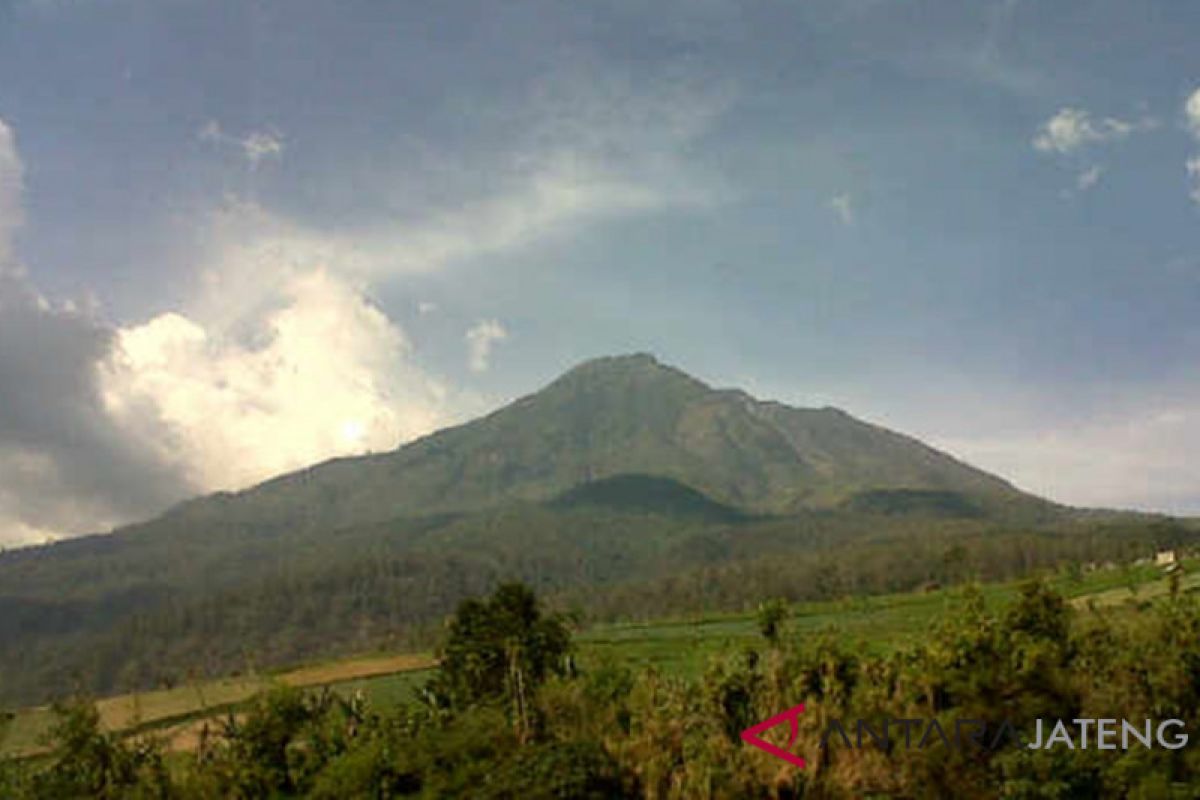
[{"x": 750, "y": 735}]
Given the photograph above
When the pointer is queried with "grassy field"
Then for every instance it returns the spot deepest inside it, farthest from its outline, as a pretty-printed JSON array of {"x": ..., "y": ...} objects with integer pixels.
[
  {"x": 682, "y": 647},
  {"x": 1189, "y": 582},
  {"x": 876, "y": 623},
  {"x": 167, "y": 709}
]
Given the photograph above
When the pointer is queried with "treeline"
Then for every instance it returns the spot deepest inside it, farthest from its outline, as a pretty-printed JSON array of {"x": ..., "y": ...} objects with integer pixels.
[
  {"x": 881, "y": 564},
  {"x": 390, "y": 586},
  {"x": 511, "y": 714}
]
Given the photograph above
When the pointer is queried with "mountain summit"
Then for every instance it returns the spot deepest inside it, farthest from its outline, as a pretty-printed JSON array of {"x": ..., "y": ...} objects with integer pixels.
[{"x": 613, "y": 416}]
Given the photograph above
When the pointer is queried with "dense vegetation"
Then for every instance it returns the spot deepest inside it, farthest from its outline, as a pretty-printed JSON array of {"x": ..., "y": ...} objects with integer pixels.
[
  {"x": 625, "y": 489},
  {"x": 605, "y": 475},
  {"x": 511, "y": 714},
  {"x": 115, "y": 621}
]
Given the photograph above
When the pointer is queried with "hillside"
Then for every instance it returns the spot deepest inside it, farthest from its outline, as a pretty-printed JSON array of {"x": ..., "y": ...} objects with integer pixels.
[
  {"x": 618, "y": 481},
  {"x": 606, "y": 417}
]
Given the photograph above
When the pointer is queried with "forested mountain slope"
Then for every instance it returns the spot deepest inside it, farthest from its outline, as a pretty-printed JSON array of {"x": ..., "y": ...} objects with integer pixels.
[{"x": 619, "y": 476}]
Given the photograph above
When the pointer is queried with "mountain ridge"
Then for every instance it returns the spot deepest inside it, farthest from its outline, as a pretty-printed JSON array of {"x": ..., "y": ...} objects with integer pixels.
[
  {"x": 604, "y": 417},
  {"x": 615, "y": 415}
]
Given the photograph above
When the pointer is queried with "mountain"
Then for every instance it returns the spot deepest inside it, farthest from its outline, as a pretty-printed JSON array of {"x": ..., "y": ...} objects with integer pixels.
[
  {"x": 607, "y": 417},
  {"x": 622, "y": 473}
]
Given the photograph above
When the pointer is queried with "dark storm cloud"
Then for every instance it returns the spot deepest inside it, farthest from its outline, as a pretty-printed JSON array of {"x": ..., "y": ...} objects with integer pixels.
[{"x": 64, "y": 466}]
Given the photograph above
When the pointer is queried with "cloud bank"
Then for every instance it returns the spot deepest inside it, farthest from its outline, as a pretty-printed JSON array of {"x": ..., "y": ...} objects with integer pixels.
[{"x": 324, "y": 373}]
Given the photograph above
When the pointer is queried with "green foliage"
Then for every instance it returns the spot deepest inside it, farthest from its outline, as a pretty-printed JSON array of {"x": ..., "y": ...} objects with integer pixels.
[
  {"x": 609, "y": 731},
  {"x": 268, "y": 751},
  {"x": 771, "y": 616},
  {"x": 88, "y": 762},
  {"x": 503, "y": 649},
  {"x": 75, "y": 615},
  {"x": 909, "y": 501}
]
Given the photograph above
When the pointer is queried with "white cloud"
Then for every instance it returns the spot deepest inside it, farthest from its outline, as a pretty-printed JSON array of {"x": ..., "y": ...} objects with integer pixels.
[
  {"x": 11, "y": 188},
  {"x": 1193, "y": 171},
  {"x": 255, "y": 146},
  {"x": 323, "y": 373},
  {"x": 1072, "y": 129},
  {"x": 481, "y": 338},
  {"x": 562, "y": 193},
  {"x": 843, "y": 206},
  {"x": 1089, "y": 178},
  {"x": 1191, "y": 110},
  {"x": 258, "y": 145},
  {"x": 18, "y": 534},
  {"x": 426, "y": 307}
]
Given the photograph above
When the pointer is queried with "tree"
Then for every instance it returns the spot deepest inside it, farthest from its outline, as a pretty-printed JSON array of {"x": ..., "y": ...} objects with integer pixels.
[
  {"x": 501, "y": 649},
  {"x": 771, "y": 616},
  {"x": 88, "y": 761}
]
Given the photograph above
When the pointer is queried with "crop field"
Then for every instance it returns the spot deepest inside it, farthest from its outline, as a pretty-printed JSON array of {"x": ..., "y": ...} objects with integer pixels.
[
  {"x": 682, "y": 647},
  {"x": 167, "y": 709},
  {"x": 875, "y": 623}
]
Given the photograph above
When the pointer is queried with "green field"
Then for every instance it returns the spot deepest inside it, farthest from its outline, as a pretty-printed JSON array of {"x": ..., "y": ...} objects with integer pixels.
[
  {"x": 685, "y": 646},
  {"x": 383, "y": 679},
  {"x": 682, "y": 647}
]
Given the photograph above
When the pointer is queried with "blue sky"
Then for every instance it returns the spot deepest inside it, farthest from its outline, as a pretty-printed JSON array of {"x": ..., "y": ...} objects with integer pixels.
[{"x": 237, "y": 237}]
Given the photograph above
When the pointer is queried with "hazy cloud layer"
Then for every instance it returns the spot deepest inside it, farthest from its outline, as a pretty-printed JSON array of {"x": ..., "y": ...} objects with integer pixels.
[{"x": 1134, "y": 461}]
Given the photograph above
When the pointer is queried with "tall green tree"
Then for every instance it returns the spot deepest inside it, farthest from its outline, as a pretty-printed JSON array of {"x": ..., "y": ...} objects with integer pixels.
[{"x": 501, "y": 649}]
